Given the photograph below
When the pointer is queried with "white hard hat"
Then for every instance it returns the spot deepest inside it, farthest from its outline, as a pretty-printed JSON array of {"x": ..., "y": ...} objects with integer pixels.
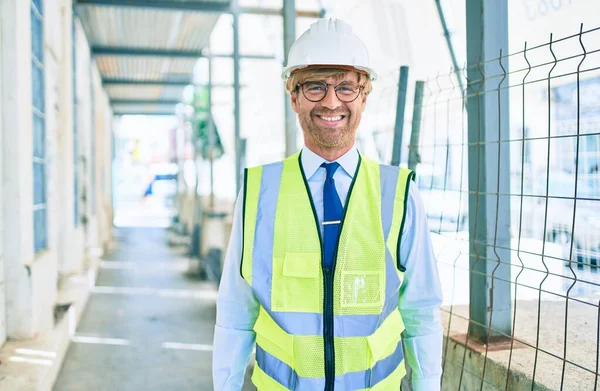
[{"x": 329, "y": 42}]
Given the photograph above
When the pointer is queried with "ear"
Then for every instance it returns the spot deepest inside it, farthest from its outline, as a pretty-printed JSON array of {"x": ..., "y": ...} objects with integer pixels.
[{"x": 294, "y": 100}]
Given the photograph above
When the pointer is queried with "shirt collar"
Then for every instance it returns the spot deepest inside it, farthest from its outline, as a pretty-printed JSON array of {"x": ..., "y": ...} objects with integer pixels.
[{"x": 311, "y": 162}]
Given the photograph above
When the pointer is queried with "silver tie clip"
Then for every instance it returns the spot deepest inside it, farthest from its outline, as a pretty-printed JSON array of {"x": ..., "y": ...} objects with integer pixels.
[{"x": 331, "y": 222}]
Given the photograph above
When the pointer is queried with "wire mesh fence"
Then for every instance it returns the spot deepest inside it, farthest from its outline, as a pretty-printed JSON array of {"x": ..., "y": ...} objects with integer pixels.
[{"x": 508, "y": 173}]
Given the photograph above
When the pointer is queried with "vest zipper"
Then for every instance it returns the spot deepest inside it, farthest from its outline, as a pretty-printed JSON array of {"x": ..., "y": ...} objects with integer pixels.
[
  {"x": 328, "y": 277},
  {"x": 328, "y": 329}
]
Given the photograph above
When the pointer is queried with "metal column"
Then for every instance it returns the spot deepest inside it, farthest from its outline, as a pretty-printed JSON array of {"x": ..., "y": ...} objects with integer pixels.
[
  {"x": 489, "y": 175},
  {"x": 211, "y": 138},
  {"x": 92, "y": 143},
  {"x": 400, "y": 105},
  {"x": 415, "y": 134},
  {"x": 236, "y": 93},
  {"x": 448, "y": 37},
  {"x": 289, "y": 36}
]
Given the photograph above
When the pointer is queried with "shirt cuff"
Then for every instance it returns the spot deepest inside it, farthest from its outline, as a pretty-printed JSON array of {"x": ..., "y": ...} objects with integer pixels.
[{"x": 426, "y": 383}]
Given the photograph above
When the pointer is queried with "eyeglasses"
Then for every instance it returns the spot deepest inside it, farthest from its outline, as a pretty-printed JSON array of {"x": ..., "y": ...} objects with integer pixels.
[{"x": 315, "y": 91}]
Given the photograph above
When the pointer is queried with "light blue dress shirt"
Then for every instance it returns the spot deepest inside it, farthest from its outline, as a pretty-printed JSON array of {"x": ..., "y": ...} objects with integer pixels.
[{"x": 419, "y": 301}]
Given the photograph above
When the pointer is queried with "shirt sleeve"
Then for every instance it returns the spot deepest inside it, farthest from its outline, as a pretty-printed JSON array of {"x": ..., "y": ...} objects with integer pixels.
[
  {"x": 420, "y": 298},
  {"x": 237, "y": 310}
]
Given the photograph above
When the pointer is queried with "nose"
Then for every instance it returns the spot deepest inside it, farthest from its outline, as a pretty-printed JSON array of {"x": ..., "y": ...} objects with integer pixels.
[{"x": 331, "y": 100}]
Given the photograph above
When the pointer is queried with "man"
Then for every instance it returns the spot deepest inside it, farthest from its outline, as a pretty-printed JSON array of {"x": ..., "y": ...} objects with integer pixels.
[{"x": 330, "y": 268}]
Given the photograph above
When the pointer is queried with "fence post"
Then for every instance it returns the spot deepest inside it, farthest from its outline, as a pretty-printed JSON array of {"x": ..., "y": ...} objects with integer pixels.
[
  {"x": 400, "y": 105},
  {"x": 489, "y": 171},
  {"x": 243, "y": 160},
  {"x": 413, "y": 146}
]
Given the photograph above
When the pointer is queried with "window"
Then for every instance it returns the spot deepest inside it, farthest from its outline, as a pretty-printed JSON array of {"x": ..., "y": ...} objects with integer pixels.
[{"x": 40, "y": 209}]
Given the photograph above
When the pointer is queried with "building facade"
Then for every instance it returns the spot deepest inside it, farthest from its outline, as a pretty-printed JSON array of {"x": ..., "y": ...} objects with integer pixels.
[{"x": 55, "y": 160}]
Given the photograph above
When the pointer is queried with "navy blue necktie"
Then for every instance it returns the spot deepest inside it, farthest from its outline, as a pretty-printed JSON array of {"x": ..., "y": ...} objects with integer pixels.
[{"x": 332, "y": 214}]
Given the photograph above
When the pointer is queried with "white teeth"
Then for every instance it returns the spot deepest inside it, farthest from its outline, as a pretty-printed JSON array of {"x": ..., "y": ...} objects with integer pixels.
[{"x": 338, "y": 118}]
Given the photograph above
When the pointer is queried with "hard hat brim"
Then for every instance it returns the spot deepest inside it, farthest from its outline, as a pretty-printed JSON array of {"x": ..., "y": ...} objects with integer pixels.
[{"x": 287, "y": 72}]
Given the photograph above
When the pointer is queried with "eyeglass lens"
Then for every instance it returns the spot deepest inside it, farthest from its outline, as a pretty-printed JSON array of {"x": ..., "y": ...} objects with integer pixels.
[{"x": 315, "y": 91}]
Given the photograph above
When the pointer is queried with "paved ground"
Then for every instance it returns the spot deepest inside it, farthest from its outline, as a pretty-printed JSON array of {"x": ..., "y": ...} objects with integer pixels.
[{"x": 147, "y": 325}]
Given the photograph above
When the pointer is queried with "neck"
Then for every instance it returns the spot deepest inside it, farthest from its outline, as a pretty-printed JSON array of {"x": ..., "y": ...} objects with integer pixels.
[{"x": 329, "y": 154}]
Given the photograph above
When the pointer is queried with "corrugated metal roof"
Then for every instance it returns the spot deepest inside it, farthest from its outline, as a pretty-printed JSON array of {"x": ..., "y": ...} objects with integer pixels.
[
  {"x": 147, "y": 28},
  {"x": 145, "y": 68},
  {"x": 143, "y": 108},
  {"x": 128, "y": 27},
  {"x": 130, "y": 92}
]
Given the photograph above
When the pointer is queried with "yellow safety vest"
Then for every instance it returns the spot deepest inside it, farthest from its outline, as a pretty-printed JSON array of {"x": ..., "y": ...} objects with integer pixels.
[{"x": 325, "y": 329}]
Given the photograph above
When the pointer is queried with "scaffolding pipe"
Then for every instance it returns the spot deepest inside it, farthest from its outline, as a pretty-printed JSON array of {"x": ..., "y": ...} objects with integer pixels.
[
  {"x": 211, "y": 138},
  {"x": 400, "y": 106},
  {"x": 289, "y": 36},
  {"x": 236, "y": 93},
  {"x": 450, "y": 45},
  {"x": 207, "y": 7},
  {"x": 194, "y": 250}
]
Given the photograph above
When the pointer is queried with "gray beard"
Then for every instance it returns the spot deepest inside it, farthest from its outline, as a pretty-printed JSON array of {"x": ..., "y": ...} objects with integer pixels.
[{"x": 330, "y": 138}]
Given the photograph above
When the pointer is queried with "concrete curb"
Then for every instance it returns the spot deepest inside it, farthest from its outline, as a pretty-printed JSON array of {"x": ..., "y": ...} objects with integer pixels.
[{"x": 34, "y": 364}]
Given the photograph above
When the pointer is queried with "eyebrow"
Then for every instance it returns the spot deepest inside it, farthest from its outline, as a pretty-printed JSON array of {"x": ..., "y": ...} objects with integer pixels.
[{"x": 322, "y": 80}]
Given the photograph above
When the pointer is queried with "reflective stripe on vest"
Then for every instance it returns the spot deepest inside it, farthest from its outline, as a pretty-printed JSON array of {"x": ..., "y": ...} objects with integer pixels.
[{"x": 282, "y": 262}]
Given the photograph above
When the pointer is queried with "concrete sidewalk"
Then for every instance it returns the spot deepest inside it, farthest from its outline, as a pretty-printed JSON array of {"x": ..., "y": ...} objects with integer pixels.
[{"x": 147, "y": 324}]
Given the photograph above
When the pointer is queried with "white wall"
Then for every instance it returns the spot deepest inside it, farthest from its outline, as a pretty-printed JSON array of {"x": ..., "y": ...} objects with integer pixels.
[
  {"x": 17, "y": 166},
  {"x": 28, "y": 281},
  {"x": 102, "y": 220},
  {"x": 70, "y": 246},
  {"x": 84, "y": 118},
  {"x": 2, "y": 286}
]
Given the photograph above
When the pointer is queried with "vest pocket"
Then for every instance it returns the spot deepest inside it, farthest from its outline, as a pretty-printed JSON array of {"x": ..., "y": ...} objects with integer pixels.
[
  {"x": 384, "y": 341},
  {"x": 362, "y": 289},
  {"x": 297, "y": 283},
  {"x": 277, "y": 358},
  {"x": 386, "y": 354}
]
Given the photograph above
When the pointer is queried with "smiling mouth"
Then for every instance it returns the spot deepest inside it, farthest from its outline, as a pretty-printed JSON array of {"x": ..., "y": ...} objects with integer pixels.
[{"x": 327, "y": 118}]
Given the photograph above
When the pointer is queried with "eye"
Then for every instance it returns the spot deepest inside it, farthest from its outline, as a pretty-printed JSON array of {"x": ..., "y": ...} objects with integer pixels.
[
  {"x": 315, "y": 88},
  {"x": 346, "y": 88}
]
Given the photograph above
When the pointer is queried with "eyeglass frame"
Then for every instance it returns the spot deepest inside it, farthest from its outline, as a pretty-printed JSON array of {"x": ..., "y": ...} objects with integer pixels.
[{"x": 327, "y": 85}]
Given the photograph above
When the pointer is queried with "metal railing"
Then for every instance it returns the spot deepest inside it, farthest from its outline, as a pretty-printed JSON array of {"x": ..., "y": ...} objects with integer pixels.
[{"x": 508, "y": 170}]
